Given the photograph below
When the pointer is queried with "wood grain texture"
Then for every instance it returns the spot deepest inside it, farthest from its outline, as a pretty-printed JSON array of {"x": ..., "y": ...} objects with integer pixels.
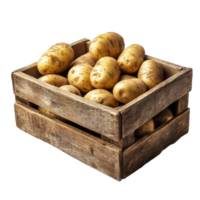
[
  {"x": 99, "y": 118},
  {"x": 149, "y": 104},
  {"x": 182, "y": 104},
  {"x": 90, "y": 150},
  {"x": 23, "y": 101},
  {"x": 22, "y": 68},
  {"x": 153, "y": 144},
  {"x": 193, "y": 77},
  {"x": 79, "y": 47},
  {"x": 123, "y": 143}
]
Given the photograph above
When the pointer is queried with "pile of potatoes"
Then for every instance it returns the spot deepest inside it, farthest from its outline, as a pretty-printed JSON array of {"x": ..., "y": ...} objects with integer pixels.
[{"x": 108, "y": 74}]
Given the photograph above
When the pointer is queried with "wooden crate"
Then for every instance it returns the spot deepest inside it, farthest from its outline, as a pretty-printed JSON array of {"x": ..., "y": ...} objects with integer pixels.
[{"x": 93, "y": 124}]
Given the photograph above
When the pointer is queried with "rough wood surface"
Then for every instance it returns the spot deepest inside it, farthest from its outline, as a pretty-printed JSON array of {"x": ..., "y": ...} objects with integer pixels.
[
  {"x": 149, "y": 104},
  {"x": 123, "y": 143},
  {"x": 22, "y": 100},
  {"x": 79, "y": 47},
  {"x": 182, "y": 104},
  {"x": 22, "y": 68},
  {"x": 92, "y": 151},
  {"x": 153, "y": 144},
  {"x": 99, "y": 118}
]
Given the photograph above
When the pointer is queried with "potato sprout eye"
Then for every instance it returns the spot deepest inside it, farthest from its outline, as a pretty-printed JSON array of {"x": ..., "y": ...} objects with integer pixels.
[{"x": 76, "y": 79}]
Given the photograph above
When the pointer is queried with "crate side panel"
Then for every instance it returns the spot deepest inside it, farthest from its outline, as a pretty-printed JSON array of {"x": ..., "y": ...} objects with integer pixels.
[
  {"x": 149, "y": 104},
  {"x": 182, "y": 104},
  {"x": 22, "y": 68},
  {"x": 79, "y": 47},
  {"x": 96, "y": 117},
  {"x": 153, "y": 144},
  {"x": 88, "y": 149}
]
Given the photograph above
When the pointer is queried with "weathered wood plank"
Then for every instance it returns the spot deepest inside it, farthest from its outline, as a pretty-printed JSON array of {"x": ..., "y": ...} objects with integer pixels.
[
  {"x": 123, "y": 143},
  {"x": 22, "y": 100},
  {"x": 79, "y": 47},
  {"x": 99, "y": 118},
  {"x": 149, "y": 104},
  {"x": 90, "y": 150},
  {"x": 22, "y": 68},
  {"x": 182, "y": 104},
  {"x": 153, "y": 144}
]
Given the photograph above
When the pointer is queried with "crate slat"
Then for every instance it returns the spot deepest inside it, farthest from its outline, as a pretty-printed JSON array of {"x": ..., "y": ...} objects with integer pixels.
[
  {"x": 22, "y": 68},
  {"x": 99, "y": 118},
  {"x": 153, "y": 144},
  {"x": 90, "y": 150}
]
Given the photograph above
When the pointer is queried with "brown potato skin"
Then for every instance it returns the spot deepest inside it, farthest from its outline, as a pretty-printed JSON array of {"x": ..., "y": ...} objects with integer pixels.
[
  {"x": 127, "y": 90},
  {"x": 79, "y": 76},
  {"x": 105, "y": 73},
  {"x": 56, "y": 59},
  {"x": 163, "y": 117},
  {"x": 54, "y": 79},
  {"x": 71, "y": 89},
  {"x": 84, "y": 59},
  {"x": 151, "y": 73},
  {"x": 145, "y": 129},
  {"x": 131, "y": 59},
  {"x": 126, "y": 77},
  {"x": 102, "y": 96},
  {"x": 107, "y": 44}
]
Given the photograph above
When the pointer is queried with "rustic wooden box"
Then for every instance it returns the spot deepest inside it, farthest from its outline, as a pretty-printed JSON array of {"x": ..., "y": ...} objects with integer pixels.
[{"x": 101, "y": 136}]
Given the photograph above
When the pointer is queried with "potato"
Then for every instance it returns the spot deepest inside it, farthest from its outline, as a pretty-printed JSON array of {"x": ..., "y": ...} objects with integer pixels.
[
  {"x": 131, "y": 58},
  {"x": 107, "y": 44},
  {"x": 127, "y": 90},
  {"x": 52, "y": 115},
  {"x": 54, "y": 79},
  {"x": 163, "y": 117},
  {"x": 79, "y": 76},
  {"x": 151, "y": 73},
  {"x": 126, "y": 77},
  {"x": 145, "y": 129},
  {"x": 71, "y": 88},
  {"x": 103, "y": 97},
  {"x": 84, "y": 59},
  {"x": 56, "y": 59},
  {"x": 105, "y": 73}
]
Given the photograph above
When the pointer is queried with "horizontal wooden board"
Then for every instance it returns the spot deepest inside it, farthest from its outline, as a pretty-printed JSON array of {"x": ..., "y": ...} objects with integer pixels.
[
  {"x": 96, "y": 117},
  {"x": 149, "y": 104},
  {"x": 22, "y": 68},
  {"x": 90, "y": 150},
  {"x": 153, "y": 144}
]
